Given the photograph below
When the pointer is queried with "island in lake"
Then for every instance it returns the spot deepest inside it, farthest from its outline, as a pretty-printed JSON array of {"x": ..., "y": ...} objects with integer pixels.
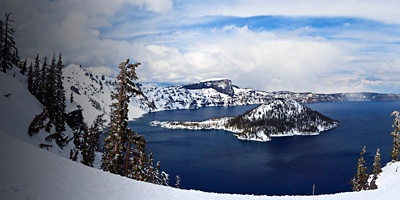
[{"x": 275, "y": 118}]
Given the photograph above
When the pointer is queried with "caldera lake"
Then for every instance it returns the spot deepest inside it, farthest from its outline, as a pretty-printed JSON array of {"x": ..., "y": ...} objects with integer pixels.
[{"x": 216, "y": 161}]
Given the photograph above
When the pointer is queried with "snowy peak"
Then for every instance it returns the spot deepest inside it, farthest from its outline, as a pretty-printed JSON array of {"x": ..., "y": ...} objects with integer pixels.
[
  {"x": 278, "y": 108},
  {"x": 223, "y": 86}
]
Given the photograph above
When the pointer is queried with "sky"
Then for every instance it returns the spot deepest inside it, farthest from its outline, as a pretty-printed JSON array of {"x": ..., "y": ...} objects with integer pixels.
[{"x": 321, "y": 46}]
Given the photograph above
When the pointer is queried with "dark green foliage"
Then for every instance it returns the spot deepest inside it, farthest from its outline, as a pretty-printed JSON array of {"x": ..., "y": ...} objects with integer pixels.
[
  {"x": 36, "y": 77},
  {"x": 41, "y": 96},
  {"x": 37, "y": 123},
  {"x": 30, "y": 78},
  {"x": 8, "y": 50},
  {"x": 360, "y": 179},
  {"x": 90, "y": 143},
  {"x": 23, "y": 67},
  {"x": 59, "y": 97},
  {"x": 117, "y": 139},
  {"x": 124, "y": 149},
  {"x": 45, "y": 84}
]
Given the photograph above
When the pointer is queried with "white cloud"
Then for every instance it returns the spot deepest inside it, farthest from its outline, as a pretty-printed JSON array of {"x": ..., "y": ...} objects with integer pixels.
[
  {"x": 170, "y": 50},
  {"x": 254, "y": 59},
  {"x": 385, "y": 10}
]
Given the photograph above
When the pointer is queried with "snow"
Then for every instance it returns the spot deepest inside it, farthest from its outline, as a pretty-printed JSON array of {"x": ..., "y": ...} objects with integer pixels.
[{"x": 28, "y": 172}]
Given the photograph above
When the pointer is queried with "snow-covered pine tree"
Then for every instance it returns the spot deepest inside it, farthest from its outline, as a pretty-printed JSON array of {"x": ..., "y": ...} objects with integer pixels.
[
  {"x": 124, "y": 149},
  {"x": 396, "y": 136},
  {"x": 360, "y": 179},
  {"x": 178, "y": 181},
  {"x": 115, "y": 152},
  {"x": 8, "y": 49},
  {"x": 376, "y": 170}
]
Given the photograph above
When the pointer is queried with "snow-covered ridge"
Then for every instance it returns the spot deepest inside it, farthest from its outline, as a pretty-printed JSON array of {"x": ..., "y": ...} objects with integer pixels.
[
  {"x": 94, "y": 95},
  {"x": 276, "y": 118}
]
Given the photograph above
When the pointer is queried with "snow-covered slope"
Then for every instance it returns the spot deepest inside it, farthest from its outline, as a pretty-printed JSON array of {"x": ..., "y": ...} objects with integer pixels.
[
  {"x": 93, "y": 93},
  {"x": 17, "y": 109},
  {"x": 28, "y": 172},
  {"x": 275, "y": 118}
]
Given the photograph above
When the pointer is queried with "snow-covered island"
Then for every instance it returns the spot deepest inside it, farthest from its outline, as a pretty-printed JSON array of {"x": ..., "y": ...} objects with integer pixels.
[{"x": 275, "y": 118}]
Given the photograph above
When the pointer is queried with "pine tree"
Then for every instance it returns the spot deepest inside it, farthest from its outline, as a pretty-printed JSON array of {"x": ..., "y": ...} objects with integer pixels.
[
  {"x": 36, "y": 78},
  {"x": 30, "y": 78},
  {"x": 90, "y": 143},
  {"x": 360, "y": 180},
  {"x": 1, "y": 38},
  {"x": 376, "y": 170},
  {"x": 24, "y": 67},
  {"x": 42, "y": 87},
  {"x": 49, "y": 94},
  {"x": 8, "y": 49},
  {"x": 124, "y": 149},
  {"x": 396, "y": 136},
  {"x": 116, "y": 156},
  {"x": 178, "y": 181},
  {"x": 71, "y": 97},
  {"x": 59, "y": 97}
]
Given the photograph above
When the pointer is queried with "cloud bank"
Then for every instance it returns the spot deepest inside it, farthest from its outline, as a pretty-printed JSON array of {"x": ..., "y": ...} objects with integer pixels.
[{"x": 318, "y": 46}]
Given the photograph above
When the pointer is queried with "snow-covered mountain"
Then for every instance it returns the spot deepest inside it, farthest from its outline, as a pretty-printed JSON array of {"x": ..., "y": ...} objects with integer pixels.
[
  {"x": 92, "y": 92},
  {"x": 275, "y": 118}
]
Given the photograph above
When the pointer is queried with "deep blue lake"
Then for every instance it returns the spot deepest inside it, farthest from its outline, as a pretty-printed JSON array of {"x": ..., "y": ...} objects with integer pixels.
[{"x": 216, "y": 161}]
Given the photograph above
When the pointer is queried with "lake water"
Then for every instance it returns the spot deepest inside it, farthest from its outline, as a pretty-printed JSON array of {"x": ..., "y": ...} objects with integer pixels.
[{"x": 216, "y": 161}]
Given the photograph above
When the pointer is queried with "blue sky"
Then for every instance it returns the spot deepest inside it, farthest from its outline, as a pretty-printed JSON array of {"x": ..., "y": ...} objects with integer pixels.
[{"x": 321, "y": 46}]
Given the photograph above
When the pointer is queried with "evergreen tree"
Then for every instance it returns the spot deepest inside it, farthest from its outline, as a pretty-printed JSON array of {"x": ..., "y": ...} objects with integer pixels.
[
  {"x": 1, "y": 38},
  {"x": 8, "y": 49},
  {"x": 59, "y": 97},
  {"x": 178, "y": 181},
  {"x": 116, "y": 156},
  {"x": 124, "y": 150},
  {"x": 396, "y": 136},
  {"x": 23, "y": 67},
  {"x": 90, "y": 143},
  {"x": 360, "y": 180},
  {"x": 36, "y": 77},
  {"x": 30, "y": 78},
  {"x": 376, "y": 170},
  {"x": 78, "y": 126},
  {"x": 42, "y": 87},
  {"x": 49, "y": 94},
  {"x": 71, "y": 97}
]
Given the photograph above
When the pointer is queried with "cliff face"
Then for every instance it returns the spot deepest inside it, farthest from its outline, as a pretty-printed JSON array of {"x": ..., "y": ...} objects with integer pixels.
[{"x": 223, "y": 86}]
